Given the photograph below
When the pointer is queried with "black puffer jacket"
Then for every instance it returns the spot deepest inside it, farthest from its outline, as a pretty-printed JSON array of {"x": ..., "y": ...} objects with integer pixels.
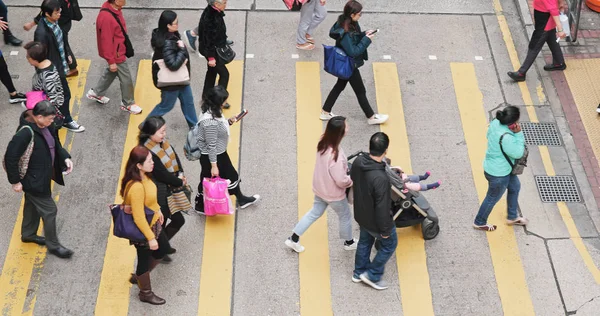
[
  {"x": 40, "y": 170},
  {"x": 173, "y": 55},
  {"x": 372, "y": 200},
  {"x": 212, "y": 32}
]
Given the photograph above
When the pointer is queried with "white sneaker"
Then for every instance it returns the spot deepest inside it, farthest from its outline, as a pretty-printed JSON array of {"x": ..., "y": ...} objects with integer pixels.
[
  {"x": 378, "y": 119},
  {"x": 356, "y": 279},
  {"x": 380, "y": 285},
  {"x": 351, "y": 247},
  {"x": 132, "y": 108},
  {"x": 326, "y": 116},
  {"x": 91, "y": 94},
  {"x": 296, "y": 246}
]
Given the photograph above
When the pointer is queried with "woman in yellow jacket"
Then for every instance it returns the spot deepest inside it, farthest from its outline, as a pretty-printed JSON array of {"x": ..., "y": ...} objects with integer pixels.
[{"x": 139, "y": 192}]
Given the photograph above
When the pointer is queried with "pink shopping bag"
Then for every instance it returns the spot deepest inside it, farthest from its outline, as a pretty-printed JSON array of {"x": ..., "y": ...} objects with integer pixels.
[{"x": 216, "y": 197}]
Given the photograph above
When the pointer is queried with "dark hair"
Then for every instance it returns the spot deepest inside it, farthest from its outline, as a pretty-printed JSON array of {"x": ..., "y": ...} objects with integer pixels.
[
  {"x": 508, "y": 115},
  {"x": 132, "y": 173},
  {"x": 166, "y": 18},
  {"x": 345, "y": 19},
  {"x": 149, "y": 127},
  {"x": 334, "y": 132},
  {"x": 378, "y": 144},
  {"x": 36, "y": 51},
  {"x": 44, "y": 108},
  {"x": 50, "y": 6},
  {"x": 214, "y": 99}
]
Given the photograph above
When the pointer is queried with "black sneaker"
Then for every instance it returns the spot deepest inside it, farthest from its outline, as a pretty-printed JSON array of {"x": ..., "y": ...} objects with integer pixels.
[
  {"x": 249, "y": 200},
  {"x": 516, "y": 76},
  {"x": 190, "y": 40},
  {"x": 17, "y": 98},
  {"x": 551, "y": 67},
  {"x": 598, "y": 109},
  {"x": 73, "y": 126}
]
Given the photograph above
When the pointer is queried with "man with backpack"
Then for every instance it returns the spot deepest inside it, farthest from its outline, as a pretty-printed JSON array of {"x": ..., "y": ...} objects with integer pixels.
[{"x": 114, "y": 46}]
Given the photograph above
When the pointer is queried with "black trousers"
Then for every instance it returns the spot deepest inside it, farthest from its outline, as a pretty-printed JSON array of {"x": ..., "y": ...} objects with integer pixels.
[
  {"x": 538, "y": 38},
  {"x": 64, "y": 109},
  {"x": 145, "y": 255},
  {"x": 5, "y": 76},
  {"x": 357, "y": 85},
  {"x": 211, "y": 76},
  {"x": 176, "y": 221},
  {"x": 226, "y": 171},
  {"x": 34, "y": 209}
]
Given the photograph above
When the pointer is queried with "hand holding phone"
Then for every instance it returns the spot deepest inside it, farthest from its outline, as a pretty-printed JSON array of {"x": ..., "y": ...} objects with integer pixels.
[{"x": 241, "y": 115}]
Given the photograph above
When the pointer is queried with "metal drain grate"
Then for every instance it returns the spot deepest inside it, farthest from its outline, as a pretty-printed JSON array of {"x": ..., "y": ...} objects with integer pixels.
[
  {"x": 541, "y": 134},
  {"x": 557, "y": 189}
]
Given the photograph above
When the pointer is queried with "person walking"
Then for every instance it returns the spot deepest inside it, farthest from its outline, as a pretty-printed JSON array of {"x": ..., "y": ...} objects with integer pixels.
[
  {"x": 14, "y": 96},
  {"x": 48, "y": 160},
  {"x": 51, "y": 36},
  {"x": 139, "y": 193},
  {"x": 372, "y": 212},
  {"x": 111, "y": 39},
  {"x": 46, "y": 78},
  {"x": 503, "y": 134},
  {"x": 312, "y": 13},
  {"x": 212, "y": 33},
  {"x": 348, "y": 36},
  {"x": 213, "y": 137},
  {"x": 167, "y": 173},
  {"x": 547, "y": 29},
  {"x": 9, "y": 38},
  {"x": 169, "y": 48},
  {"x": 65, "y": 22},
  {"x": 330, "y": 181}
]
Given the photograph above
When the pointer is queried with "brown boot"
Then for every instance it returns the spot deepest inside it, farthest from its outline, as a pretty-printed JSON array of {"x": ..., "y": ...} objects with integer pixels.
[
  {"x": 146, "y": 294},
  {"x": 134, "y": 278}
]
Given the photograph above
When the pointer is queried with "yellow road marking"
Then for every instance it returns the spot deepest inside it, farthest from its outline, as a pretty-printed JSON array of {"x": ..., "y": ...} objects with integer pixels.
[
  {"x": 113, "y": 291},
  {"x": 216, "y": 274},
  {"x": 313, "y": 266},
  {"x": 504, "y": 250},
  {"x": 540, "y": 93},
  {"x": 514, "y": 59},
  {"x": 16, "y": 298},
  {"x": 411, "y": 257},
  {"x": 545, "y": 154}
]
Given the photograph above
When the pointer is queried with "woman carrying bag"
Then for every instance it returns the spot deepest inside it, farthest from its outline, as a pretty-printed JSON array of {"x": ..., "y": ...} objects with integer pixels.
[
  {"x": 348, "y": 36},
  {"x": 139, "y": 192},
  {"x": 173, "y": 81},
  {"x": 167, "y": 173},
  {"x": 213, "y": 137}
]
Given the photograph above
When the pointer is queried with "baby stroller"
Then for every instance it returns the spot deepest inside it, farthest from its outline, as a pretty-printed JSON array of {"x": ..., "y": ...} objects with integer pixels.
[{"x": 410, "y": 208}]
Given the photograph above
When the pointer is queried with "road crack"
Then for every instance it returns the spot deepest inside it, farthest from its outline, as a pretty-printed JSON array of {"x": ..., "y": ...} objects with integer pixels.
[{"x": 582, "y": 305}]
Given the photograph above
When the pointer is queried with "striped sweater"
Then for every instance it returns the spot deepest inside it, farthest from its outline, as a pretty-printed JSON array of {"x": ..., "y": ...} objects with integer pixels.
[
  {"x": 48, "y": 80},
  {"x": 213, "y": 136}
]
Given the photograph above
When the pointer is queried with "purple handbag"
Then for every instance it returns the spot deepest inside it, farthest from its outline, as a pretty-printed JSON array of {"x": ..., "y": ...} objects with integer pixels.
[{"x": 124, "y": 226}]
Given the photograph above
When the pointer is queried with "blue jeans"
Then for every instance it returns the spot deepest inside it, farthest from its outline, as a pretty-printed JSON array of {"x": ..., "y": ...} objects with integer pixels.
[
  {"x": 362, "y": 260},
  {"x": 186, "y": 100},
  {"x": 496, "y": 188},
  {"x": 342, "y": 208}
]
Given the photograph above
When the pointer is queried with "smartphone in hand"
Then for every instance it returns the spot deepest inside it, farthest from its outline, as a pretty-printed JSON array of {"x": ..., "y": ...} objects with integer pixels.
[{"x": 241, "y": 115}]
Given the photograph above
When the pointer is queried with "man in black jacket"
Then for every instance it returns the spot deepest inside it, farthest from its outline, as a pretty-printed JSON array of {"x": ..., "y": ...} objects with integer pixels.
[
  {"x": 48, "y": 160},
  {"x": 59, "y": 53},
  {"x": 372, "y": 212}
]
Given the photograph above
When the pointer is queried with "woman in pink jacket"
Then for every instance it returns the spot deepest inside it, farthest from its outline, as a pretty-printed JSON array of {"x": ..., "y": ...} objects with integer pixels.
[
  {"x": 330, "y": 181},
  {"x": 547, "y": 29}
]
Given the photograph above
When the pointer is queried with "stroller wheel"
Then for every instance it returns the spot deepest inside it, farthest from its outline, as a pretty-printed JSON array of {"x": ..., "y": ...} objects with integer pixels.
[
  {"x": 430, "y": 229},
  {"x": 406, "y": 204}
]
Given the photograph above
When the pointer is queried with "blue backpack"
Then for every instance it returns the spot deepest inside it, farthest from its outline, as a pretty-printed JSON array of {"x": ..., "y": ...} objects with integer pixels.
[{"x": 337, "y": 62}]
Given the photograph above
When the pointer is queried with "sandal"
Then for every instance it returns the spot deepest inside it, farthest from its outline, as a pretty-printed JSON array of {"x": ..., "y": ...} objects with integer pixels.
[
  {"x": 486, "y": 227},
  {"x": 310, "y": 39},
  {"x": 519, "y": 221}
]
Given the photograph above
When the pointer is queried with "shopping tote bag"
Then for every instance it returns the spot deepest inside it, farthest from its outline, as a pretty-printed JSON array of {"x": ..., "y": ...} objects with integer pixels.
[{"x": 216, "y": 197}]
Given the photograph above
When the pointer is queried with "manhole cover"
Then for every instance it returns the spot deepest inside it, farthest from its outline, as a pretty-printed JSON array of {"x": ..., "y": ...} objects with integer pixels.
[
  {"x": 541, "y": 134},
  {"x": 557, "y": 189}
]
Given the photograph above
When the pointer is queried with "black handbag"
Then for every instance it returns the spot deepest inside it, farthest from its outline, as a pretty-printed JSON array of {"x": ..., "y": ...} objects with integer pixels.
[
  {"x": 129, "y": 52},
  {"x": 76, "y": 11},
  {"x": 225, "y": 54}
]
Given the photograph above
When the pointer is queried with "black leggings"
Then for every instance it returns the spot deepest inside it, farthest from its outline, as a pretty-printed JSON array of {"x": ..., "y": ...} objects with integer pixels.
[
  {"x": 145, "y": 255},
  {"x": 176, "y": 221},
  {"x": 358, "y": 86},
  {"x": 5, "y": 75},
  {"x": 211, "y": 76}
]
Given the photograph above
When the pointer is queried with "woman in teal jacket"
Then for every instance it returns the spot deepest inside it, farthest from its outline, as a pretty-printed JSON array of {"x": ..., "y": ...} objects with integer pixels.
[
  {"x": 498, "y": 170},
  {"x": 348, "y": 36}
]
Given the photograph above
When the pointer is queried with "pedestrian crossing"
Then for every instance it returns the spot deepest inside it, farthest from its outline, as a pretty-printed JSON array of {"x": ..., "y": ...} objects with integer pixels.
[{"x": 19, "y": 282}]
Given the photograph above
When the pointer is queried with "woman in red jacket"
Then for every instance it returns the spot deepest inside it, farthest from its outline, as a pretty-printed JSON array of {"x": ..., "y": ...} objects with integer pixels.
[{"x": 547, "y": 29}]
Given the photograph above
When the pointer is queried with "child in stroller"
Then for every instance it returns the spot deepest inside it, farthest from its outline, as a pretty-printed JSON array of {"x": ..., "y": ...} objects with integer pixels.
[{"x": 411, "y": 182}]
